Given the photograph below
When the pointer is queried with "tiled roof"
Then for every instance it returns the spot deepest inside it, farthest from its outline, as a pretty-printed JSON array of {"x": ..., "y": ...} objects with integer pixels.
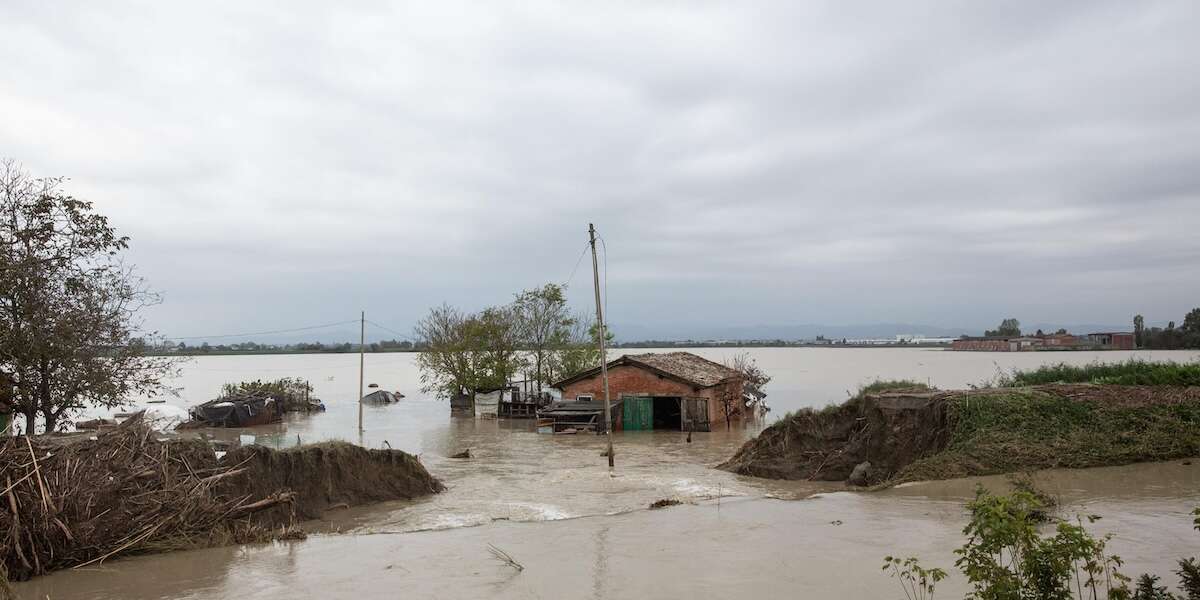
[{"x": 683, "y": 366}]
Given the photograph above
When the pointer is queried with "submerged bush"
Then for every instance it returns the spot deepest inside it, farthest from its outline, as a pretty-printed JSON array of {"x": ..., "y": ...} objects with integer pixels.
[
  {"x": 1006, "y": 558},
  {"x": 1130, "y": 372}
]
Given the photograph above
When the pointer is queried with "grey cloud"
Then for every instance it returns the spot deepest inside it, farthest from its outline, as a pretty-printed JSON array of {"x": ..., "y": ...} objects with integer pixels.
[{"x": 750, "y": 163}]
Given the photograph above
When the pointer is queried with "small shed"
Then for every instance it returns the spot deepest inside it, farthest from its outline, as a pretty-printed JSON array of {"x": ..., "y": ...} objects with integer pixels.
[{"x": 677, "y": 391}]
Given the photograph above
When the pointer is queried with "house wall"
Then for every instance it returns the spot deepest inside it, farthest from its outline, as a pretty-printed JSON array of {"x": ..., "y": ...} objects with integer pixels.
[
  {"x": 982, "y": 345},
  {"x": 1122, "y": 341},
  {"x": 632, "y": 381}
]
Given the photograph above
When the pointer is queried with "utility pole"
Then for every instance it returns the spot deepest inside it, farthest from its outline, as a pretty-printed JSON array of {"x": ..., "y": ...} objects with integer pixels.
[
  {"x": 603, "y": 355},
  {"x": 362, "y": 339}
]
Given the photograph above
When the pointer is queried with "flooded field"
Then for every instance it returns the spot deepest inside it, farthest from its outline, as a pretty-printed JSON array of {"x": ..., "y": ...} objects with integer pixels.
[{"x": 581, "y": 533}]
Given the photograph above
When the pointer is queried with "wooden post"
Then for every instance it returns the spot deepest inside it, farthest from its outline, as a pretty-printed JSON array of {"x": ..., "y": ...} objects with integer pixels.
[
  {"x": 362, "y": 338},
  {"x": 608, "y": 425}
]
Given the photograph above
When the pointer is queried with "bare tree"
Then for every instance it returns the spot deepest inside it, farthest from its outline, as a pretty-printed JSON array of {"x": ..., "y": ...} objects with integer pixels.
[
  {"x": 69, "y": 308},
  {"x": 734, "y": 401}
]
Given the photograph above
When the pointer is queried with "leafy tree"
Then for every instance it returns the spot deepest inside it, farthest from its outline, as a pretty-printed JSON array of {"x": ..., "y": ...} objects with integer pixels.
[
  {"x": 1191, "y": 321},
  {"x": 466, "y": 353},
  {"x": 494, "y": 337},
  {"x": 447, "y": 367},
  {"x": 577, "y": 348},
  {"x": 544, "y": 324},
  {"x": 69, "y": 307},
  {"x": 1008, "y": 328}
]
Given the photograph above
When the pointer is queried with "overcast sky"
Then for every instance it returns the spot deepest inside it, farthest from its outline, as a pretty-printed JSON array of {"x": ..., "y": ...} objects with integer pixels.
[{"x": 288, "y": 164}]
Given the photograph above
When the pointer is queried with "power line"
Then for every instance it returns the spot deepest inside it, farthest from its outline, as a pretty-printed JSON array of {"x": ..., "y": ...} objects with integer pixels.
[
  {"x": 604, "y": 245},
  {"x": 403, "y": 336},
  {"x": 578, "y": 261},
  {"x": 232, "y": 335}
]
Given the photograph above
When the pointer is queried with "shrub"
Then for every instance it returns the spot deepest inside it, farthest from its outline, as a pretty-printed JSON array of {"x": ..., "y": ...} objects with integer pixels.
[{"x": 1130, "y": 372}]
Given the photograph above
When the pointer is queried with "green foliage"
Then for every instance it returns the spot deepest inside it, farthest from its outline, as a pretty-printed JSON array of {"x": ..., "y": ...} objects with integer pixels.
[
  {"x": 69, "y": 307},
  {"x": 1148, "y": 589},
  {"x": 1023, "y": 482},
  {"x": 1008, "y": 328},
  {"x": 1131, "y": 372},
  {"x": 1189, "y": 578},
  {"x": 917, "y": 582},
  {"x": 1022, "y": 429},
  {"x": 1191, "y": 322},
  {"x": 468, "y": 352},
  {"x": 286, "y": 387},
  {"x": 890, "y": 385},
  {"x": 1006, "y": 558}
]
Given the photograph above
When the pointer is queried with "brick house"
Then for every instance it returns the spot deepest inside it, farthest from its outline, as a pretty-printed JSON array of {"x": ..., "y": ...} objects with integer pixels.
[{"x": 673, "y": 391}]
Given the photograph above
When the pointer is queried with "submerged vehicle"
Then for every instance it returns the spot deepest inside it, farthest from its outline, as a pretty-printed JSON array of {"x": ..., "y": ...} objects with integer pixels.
[
  {"x": 243, "y": 411},
  {"x": 382, "y": 397}
]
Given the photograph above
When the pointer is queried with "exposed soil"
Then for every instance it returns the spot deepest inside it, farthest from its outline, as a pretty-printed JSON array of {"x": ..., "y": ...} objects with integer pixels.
[
  {"x": 826, "y": 445},
  {"x": 70, "y": 501},
  {"x": 913, "y": 434},
  {"x": 326, "y": 475}
]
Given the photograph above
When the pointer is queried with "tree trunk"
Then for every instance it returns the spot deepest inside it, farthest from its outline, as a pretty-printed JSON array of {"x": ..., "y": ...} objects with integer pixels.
[
  {"x": 51, "y": 420},
  {"x": 30, "y": 414}
]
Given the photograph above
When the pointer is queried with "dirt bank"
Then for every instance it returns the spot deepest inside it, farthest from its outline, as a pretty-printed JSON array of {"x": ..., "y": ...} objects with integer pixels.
[
  {"x": 328, "y": 474},
  {"x": 77, "y": 501},
  {"x": 909, "y": 435}
]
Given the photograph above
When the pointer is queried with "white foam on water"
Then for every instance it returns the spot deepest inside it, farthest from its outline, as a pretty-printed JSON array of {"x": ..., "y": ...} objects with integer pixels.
[
  {"x": 453, "y": 521},
  {"x": 535, "y": 511},
  {"x": 691, "y": 487}
]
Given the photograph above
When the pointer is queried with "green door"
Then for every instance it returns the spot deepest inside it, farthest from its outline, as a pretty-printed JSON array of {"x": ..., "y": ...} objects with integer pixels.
[{"x": 639, "y": 413}]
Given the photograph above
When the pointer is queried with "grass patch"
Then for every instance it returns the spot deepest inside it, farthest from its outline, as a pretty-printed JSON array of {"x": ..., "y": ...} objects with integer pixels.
[
  {"x": 875, "y": 387},
  {"x": 1131, "y": 372},
  {"x": 1027, "y": 429}
]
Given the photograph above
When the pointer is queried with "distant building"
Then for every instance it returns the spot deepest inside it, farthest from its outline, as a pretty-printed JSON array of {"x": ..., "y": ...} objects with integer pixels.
[
  {"x": 1113, "y": 340},
  {"x": 985, "y": 344},
  {"x": 1058, "y": 341}
]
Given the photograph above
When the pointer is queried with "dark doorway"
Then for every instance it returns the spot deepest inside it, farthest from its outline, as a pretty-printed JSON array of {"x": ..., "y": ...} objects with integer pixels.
[{"x": 667, "y": 414}]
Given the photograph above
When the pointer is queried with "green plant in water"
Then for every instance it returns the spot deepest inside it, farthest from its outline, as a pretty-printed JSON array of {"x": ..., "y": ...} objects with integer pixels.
[
  {"x": 1005, "y": 558},
  {"x": 1148, "y": 589},
  {"x": 917, "y": 582},
  {"x": 1189, "y": 578}
]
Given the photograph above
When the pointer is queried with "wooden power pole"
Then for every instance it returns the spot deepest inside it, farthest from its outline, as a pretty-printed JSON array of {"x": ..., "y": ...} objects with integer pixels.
[
  {"x": 603, "y": 355},
  {"x": 362, "y": 339}
]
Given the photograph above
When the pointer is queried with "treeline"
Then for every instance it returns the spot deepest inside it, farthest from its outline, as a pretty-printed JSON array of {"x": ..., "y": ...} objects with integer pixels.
[
  {"x": 298, "y": 348},
  {"x": 534, "y": 337},
  {"x": 1170, "y": 337}
]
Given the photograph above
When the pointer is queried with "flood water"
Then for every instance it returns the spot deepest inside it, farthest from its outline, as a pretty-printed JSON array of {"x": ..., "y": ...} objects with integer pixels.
[{"x": 581, "y": 533}]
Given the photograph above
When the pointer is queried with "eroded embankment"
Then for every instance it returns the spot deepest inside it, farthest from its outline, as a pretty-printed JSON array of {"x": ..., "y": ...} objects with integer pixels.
[
  {"x": 911, "y": 435},
  {"x": 66, "y": 503}
]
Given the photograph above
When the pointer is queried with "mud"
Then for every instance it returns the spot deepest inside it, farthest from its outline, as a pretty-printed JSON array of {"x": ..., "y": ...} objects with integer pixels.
[
  {"x": 828, "y": 546},
  {"x": 71, "y": 501},
  {"x": 329, "y": 474},
  {"x": 907, "y": 435}
]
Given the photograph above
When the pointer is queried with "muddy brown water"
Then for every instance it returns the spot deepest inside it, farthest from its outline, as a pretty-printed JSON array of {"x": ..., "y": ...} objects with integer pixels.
[{"x": 581, "y": 533}]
